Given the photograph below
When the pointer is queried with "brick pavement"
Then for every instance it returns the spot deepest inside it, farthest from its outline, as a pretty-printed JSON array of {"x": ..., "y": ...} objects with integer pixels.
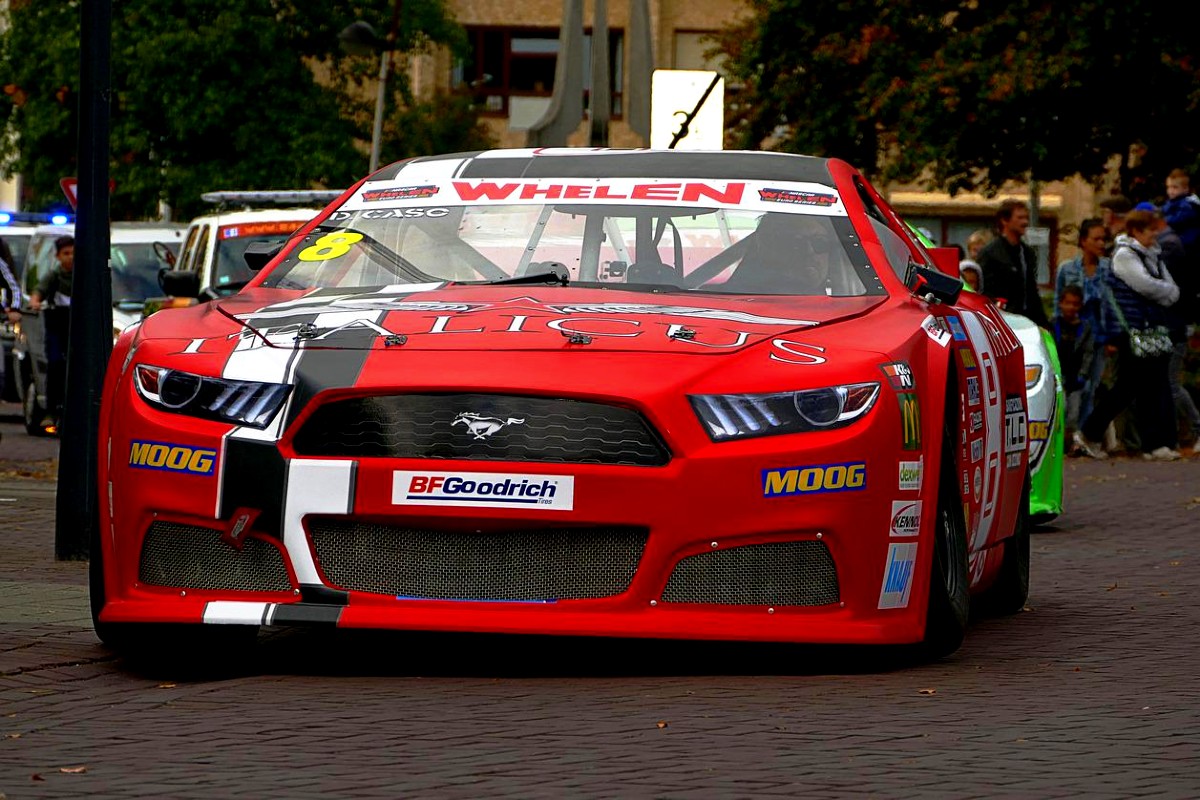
[{"x": 1090, "y": 693}]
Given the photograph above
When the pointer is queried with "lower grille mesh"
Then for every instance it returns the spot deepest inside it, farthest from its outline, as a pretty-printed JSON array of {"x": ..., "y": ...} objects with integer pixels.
[
  {"x": 773, "y": 574},
  {"x": 192, "y": 557},
  {"x": 530, "y": 565}
]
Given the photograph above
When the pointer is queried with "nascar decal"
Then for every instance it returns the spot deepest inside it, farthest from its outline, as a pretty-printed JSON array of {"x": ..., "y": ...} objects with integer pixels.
[
  {"x": 483, "y": 490},
  {"x": 899, "y": 375},
  {"x": 399, "y": 193},
  {"x": 956, "y": 329},
  {"x": 976, "y": 419},
  {"x": 973, "y": 389},
  {"x": 910, "y": 473},
  {"x": 976, "y": 450},
  {"x": 968, "y": 358},
  {"x": 1015, "y": 431},
  {"x": 935, "y": 328},
  {"x": 848, "y": 477},
  {"x": 910, "y": 421},
  {"x": 169, "y": 457},
  {"x": 793, "y": 196},
  {"x": 906, "y": 518},
  {"x": 898, "y": 575}
]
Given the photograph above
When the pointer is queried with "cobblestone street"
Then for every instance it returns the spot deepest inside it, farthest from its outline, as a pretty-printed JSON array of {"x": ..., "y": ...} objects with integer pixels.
[{"x": 1090, "y": 692}]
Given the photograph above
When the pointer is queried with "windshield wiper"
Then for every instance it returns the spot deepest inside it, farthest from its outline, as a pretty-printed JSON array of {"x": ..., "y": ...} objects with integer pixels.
[{"x": 546, "y": 275}]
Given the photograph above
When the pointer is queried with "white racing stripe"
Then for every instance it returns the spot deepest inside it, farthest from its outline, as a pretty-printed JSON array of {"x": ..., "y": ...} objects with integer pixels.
[
  {"x": 314, "y": 486},
  {"x": 230, "y": 612}
]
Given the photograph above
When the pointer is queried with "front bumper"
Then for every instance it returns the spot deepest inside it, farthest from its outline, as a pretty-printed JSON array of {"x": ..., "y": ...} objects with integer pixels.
[{"x": 705, "y": 519}]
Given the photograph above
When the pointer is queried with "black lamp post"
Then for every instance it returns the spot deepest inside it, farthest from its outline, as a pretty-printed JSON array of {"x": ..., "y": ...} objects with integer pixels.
[{"x": 360, "y": 39}]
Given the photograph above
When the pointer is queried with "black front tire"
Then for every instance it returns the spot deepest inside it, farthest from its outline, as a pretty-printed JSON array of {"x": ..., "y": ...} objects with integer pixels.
[
  {"x": 1011, "y": 588},
  {"x": 32, "y": 410},
  {"x": 193, "y": 651},
  {"x": 949, "y": 607}
]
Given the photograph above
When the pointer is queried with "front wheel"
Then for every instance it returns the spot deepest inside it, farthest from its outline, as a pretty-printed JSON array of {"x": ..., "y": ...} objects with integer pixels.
[
  {"x": 949, "y": 589},
  {"x": 32, "y": 411},
  {"x": 184, "y": 649},
  {"x": 1011, "y": 588}
]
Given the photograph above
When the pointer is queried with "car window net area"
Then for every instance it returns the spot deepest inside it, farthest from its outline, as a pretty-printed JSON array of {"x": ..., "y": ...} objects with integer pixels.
[{"x": 641, "y": 248}]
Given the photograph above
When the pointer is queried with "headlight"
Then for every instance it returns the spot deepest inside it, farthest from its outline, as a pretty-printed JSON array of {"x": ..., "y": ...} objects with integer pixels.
[
  {"x": 247, "y": 403},
  {"x": 1032, "y": 373},
  {"x": 742, "y": 416}
]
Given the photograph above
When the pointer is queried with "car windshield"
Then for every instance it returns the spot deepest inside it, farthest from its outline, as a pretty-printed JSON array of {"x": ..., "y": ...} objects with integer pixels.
[
  {"x": 135, "y": 268},
  {"x": 717, "y": 237}
]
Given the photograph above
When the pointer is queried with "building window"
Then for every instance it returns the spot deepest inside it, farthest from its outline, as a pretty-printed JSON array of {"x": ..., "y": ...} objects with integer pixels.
[{"x": 507, "y": 63}]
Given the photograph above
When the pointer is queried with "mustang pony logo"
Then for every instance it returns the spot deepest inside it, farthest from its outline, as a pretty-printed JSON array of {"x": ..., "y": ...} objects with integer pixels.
[{"x": 482, "y": 427}]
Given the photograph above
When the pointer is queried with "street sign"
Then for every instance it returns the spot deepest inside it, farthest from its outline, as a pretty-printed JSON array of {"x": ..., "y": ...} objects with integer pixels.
[
  {"x": 70, "y": 187},
  {"x": 674, "y": 97}
]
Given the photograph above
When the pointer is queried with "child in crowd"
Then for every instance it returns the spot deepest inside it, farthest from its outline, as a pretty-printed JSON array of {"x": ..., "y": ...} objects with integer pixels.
[
  {"x": 1182, "y": 209},
  {"x": 1074, "y": 338}
]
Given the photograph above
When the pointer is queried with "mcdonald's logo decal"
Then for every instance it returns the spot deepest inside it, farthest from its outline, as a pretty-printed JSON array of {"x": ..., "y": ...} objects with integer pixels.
[{"x": 910, "y": 420}]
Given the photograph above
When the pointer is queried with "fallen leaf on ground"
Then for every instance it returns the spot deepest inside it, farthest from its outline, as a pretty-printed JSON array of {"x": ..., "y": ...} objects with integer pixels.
[
  {"x": 167, "y": 685},
  {"x": 1176, "y": 563},
  {"x": 1114, "y": 586},
  {"x": 73, "y": 770},
  {"x": 1164, "y": 594},
  {"x": 36, "y": 777},
  {"x": 1075, "y": 670},
  {"x": 662, "y": 723},
  {"x": 927, "y": 691},
  {"x": 1027, "y": 608},
  {"x": 12, "y": 736}
]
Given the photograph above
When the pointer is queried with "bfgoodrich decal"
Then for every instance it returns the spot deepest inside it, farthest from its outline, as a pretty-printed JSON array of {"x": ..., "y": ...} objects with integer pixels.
[{"x": 483, "y": 490}]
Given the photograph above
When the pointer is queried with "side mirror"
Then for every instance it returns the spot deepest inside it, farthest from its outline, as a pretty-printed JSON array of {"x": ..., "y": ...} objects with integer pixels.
[
  {"x": 259, "y": 254},
  {"x": 179, "y": 282},
  {"x": 932, "y": 285},
  {"x": 945, "y": 259}
]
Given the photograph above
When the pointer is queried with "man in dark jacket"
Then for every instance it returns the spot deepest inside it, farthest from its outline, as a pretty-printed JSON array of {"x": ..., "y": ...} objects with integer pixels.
[{"x": 1010, "y": 265}]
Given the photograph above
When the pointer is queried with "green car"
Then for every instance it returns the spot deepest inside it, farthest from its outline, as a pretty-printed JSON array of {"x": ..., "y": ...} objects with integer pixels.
[{"x": 1047, "y": 410}]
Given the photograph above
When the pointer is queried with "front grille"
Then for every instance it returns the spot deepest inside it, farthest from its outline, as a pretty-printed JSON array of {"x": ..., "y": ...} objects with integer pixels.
[
  {"x": 483, "y": 427},
  {"x": 192, "y": 557},
  {"x": 774, "y": 574},
  {"x": 530, "y": 565}
]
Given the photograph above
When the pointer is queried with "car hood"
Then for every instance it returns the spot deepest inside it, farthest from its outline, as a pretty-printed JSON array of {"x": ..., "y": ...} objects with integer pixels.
[{"x": 525, "y": 318}]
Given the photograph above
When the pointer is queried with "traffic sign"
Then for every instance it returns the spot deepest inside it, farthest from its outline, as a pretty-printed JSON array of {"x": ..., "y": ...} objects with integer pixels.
[{"x": 70, "y": 187}]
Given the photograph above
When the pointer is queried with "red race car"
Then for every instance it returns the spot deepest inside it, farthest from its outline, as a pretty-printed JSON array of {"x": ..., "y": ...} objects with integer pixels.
[{"x": 579, "y": 392}]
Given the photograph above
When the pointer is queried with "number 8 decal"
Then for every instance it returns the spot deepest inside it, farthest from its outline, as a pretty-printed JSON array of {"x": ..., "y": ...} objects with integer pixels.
[{"x": 331, "y": 245}]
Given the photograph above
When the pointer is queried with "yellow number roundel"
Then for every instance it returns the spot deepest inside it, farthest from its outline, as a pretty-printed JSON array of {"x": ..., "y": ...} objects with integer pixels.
[{"x": 331, "y": 245}]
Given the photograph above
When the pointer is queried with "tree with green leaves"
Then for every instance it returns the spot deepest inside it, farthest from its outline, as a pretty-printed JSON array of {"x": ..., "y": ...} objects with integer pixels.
[
  {"x": 969, "y": 95},
  {"x": 213, "y": 94}
]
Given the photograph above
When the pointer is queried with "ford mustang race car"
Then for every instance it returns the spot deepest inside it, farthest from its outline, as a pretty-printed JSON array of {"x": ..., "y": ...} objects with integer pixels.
[{"x": 659, "y": 394}]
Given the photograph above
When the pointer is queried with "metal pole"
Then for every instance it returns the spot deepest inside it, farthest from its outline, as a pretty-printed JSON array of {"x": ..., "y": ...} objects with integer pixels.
[
  {"x": 377, "y": 130},
  {"x": 89, "y": 341}
]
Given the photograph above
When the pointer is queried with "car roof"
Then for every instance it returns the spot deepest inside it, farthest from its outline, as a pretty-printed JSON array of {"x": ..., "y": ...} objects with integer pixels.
[
  {"x": 133, "y": 232},
  {"x": 611, "y": 163},
  {"x": 257, "y": 215}
]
